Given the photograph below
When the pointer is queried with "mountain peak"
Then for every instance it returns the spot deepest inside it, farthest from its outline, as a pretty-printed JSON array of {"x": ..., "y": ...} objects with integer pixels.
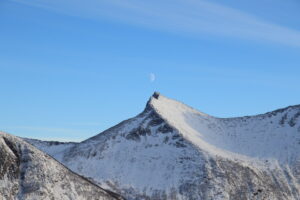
[
  {"x": 172, "y": 151},
  {"x": 169, "y": 107},
  {"x": 153, "y": 97}
]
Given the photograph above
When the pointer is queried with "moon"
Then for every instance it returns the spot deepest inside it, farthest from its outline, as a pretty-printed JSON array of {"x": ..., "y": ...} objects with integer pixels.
[{"x": 152, "y": 77}]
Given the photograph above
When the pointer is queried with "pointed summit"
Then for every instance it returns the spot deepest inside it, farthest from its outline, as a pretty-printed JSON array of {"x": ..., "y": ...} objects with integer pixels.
[{"x": 149, "y": 106}]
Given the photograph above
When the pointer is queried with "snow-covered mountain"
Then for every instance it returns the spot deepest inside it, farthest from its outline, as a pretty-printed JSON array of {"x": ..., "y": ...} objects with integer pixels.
[
  {"x": 172, "y": 151},
  {"x": 26, "y": 173}
]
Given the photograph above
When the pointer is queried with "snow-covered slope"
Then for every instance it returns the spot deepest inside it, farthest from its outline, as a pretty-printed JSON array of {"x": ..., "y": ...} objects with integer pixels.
[
  {"x": 274, "y": 135},
  {"x": 28, "y": 173},
  {"x": 171, "y": 151}
]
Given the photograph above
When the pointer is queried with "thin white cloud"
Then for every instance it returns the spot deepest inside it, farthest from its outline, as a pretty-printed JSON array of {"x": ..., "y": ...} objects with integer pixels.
[
  {"x": 64, "y": 134},
  {"x": 58, "y": 139},
  {"x": 85, "y": 124},
  {"x": 193, "y": 17},
  {"x": 48, "y": 129}
]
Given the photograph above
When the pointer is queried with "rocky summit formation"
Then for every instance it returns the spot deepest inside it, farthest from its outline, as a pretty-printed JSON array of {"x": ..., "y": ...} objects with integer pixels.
[
  {"x": 26, "y": 173},
  {"x": 172, "y": 151}
]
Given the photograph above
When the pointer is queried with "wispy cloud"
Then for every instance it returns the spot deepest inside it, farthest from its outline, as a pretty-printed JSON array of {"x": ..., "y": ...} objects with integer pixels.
[
  {"x": 54, "y": 133},
  {"x": 51, "y": 130},
  {"x": 86, "y": 124},
  {"x": 193, "y": 17},
  {"x": 58, "y": 139}
]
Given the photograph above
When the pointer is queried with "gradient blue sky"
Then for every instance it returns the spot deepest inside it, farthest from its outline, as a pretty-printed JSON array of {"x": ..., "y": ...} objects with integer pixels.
[{"x": 70, "y": 69}]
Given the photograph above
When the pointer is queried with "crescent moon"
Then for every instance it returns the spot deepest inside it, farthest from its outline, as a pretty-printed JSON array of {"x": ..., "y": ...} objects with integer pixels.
[{"x": 152, "y": 77}]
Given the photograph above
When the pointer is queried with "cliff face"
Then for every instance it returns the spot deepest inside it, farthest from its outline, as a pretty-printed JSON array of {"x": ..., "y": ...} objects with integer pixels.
[
  {"x": 28, "y": 173},
  {"x": 171, "y": 151}
]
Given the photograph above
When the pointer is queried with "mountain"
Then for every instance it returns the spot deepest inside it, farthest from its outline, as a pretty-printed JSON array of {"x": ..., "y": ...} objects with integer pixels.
[
  {"x": 26, "y": 173},
  {"x": 172, "y": 151}
]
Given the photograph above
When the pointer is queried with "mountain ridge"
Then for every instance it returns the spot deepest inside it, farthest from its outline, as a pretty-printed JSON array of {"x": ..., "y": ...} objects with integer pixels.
[
  {"x": 28, "y": 173},
  {"x": 172, "y": 151}
]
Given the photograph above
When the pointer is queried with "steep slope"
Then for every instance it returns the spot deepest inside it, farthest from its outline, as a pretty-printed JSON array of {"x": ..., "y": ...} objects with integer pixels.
[
  {"x": 171, "y": 151},
  {"x": 28, "y": 173}
]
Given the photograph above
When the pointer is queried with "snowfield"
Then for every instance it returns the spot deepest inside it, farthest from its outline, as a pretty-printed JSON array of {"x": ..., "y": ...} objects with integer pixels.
[{"x": 172, "y": 151}]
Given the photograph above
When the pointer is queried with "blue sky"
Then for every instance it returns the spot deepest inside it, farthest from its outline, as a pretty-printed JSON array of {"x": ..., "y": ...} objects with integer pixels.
[{"x": 71, "y": 69}]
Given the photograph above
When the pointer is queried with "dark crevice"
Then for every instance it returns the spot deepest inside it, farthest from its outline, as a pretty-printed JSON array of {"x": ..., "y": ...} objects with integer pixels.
[{"x": 13, "y": 148}]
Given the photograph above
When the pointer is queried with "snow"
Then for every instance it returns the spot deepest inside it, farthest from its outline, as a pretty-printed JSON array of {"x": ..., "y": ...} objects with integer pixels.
[
  {"x": 259, "y": 136},
  {"x": 27, "y": 173},
  {"x": 51, "y": 147},
  {"x": 172, "y": 151}
]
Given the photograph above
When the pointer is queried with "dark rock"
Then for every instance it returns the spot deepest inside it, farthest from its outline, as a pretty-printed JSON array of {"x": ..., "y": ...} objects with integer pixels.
[
  {"x": 156, "y": 95},
  {"x": 165, "y": 129},
  {"x": 293, "y": 120},
  {"x": 156, "y": 122}
]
